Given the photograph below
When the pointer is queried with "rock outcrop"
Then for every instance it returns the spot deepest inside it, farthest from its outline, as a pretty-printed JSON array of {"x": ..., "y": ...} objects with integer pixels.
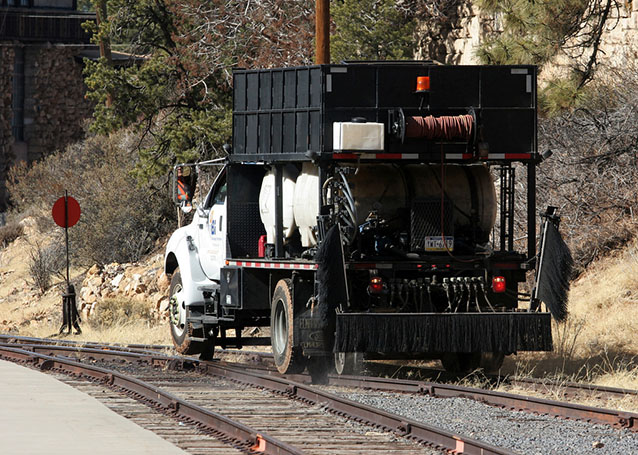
[{"x": 143, "y": 282}]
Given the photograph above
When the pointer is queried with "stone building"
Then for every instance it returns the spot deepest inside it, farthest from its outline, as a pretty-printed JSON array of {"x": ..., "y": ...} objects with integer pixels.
[{"x": 42, "y": 104}]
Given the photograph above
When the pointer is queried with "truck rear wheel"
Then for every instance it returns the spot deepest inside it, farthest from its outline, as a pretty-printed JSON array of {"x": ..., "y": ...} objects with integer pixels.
[
  {"x": 461, "y": 362},
  {"x": 288, "y": 359},
  {"x": 181, "y": 330},
  {"x": 491, "y": 362}
]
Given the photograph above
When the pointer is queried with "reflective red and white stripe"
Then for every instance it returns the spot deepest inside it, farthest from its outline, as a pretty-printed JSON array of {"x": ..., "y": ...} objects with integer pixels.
[
  {"x": 416, "y": 156},
  {"x": 509, "y": 156},
  {"x": 375, "y": 156},
  {"x": 274, "y": 265}
]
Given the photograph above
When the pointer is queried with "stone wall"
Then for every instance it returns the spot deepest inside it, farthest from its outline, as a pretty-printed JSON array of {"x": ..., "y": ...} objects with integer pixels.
[
  {"x": 6, "y": 138},
  {"x": 145, "y": 283},
  {"x": 619, "y": 44},
  {"x": 453, "y": 36},
  {"x": 55, "y": 108}
]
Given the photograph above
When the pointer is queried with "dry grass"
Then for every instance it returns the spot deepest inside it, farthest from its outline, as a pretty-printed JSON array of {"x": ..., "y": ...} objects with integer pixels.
[
  {"x": 599, "y": 341},
  {"x": 606, "y": 297},
  {"x": 10, "y": 232},
  {"x": 135, "y": 332}
]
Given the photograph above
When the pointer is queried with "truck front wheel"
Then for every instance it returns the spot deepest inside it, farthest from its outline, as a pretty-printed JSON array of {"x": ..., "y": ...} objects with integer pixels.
[
  {"x": 181, "y": 330},
  {"x": 288, "y": 359}
]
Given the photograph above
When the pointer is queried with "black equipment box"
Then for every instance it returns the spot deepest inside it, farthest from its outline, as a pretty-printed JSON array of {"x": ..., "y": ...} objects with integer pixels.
[{"x": 287, "y": 114}]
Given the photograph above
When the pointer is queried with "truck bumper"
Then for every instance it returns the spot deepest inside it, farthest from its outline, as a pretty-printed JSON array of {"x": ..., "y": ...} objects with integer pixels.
[{"x": 443, "y": 332}]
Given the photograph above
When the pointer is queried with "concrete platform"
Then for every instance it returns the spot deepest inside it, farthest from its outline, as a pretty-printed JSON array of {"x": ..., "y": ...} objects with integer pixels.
[{"x": 41, "y": 415}]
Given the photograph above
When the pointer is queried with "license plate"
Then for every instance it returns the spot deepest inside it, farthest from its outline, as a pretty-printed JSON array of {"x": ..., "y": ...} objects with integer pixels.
[{"x": 435, "y": 243}]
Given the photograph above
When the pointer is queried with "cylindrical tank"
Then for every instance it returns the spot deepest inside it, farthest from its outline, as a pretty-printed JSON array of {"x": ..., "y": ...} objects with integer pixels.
[
  {"x": 306, "y": 206},
  {"x": 389, "y": 190},
  {"x": 470, "y": 188},
  {"x": 267, "y": 202}
]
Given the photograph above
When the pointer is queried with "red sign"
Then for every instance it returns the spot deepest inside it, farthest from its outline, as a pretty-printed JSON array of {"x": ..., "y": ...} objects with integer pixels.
[{"x": 71, "y": 217}]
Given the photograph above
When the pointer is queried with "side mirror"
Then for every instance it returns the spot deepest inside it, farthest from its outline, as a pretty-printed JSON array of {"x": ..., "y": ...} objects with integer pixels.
[{"x": 184, "y": 181}]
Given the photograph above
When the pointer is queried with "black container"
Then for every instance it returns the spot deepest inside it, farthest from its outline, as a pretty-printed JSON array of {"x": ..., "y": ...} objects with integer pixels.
[{"x": 287, "y": 114}]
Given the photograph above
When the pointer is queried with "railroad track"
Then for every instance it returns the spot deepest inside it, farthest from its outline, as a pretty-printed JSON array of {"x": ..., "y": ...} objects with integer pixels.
[
  {"x": 262, "y": 362},
  {"x": 325, "y": 425},
  {"x": 263, "y": 377}
]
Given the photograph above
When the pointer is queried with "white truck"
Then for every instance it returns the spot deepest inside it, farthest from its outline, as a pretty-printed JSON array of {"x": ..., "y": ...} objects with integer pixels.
[{"x": 357, "y": 213}]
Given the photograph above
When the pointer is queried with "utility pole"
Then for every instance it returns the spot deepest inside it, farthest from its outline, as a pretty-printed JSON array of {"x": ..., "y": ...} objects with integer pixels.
[{"x": 322, "y": 32}]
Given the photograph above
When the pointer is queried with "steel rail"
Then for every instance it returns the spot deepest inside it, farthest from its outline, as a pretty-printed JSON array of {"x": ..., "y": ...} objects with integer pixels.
[
  {"x": 570, "y": 387},
  {"x": 243, "y": 436},
  {"x": 616, "y": 418},
  {"x": 411, "y": 429},
  {"x": 15, "y": 339},
  {"x": 97, "y": 353},
  {"x": 621, "y": 419}
]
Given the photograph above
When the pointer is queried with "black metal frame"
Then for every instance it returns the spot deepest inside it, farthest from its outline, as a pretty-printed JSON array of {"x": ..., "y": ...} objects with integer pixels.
[
  {"x": 286, "y": 114},
  {"x": 269, "y": 104}
]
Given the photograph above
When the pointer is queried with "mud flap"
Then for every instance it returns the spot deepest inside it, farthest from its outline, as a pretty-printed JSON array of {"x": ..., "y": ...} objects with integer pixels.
[
  {"x": 315, "y": 327},
  {"x": 443, "y": 332}
]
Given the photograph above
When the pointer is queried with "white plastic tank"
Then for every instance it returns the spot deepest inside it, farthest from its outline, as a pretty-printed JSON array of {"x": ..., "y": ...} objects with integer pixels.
[
  {"x": 267, "y": 202},
  {"x": 306, "y": 206}
]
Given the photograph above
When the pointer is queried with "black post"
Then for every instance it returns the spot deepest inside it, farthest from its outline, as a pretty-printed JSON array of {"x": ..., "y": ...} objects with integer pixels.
[
  {"x": 66, "y": 234},
  {"x": 531, "y": 210},
  {"x": 279, "y": 217},
  {"x": 70, "y": 315}
]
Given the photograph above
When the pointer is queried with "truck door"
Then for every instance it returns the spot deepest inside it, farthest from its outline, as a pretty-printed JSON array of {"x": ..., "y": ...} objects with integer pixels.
[{"x": 212, "y": 229}]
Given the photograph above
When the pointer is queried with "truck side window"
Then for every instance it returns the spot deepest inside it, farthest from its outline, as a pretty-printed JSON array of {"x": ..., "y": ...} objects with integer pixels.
[
  {"x": 220, "y": 196},
  {"x": 216, "y": 196}
]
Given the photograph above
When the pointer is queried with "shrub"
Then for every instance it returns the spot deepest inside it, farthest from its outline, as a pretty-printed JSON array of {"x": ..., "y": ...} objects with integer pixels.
[
  {"x": 44, "y": 262},
  {"x": 10, "y": 232},
  {"x": 121, "y": 215},
  {"x": 118, "y": 312},
  {"x": 593, "y": 175}
]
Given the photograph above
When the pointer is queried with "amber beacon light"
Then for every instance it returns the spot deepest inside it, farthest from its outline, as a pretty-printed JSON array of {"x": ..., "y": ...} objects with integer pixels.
[{"x": 422, "y": 84}]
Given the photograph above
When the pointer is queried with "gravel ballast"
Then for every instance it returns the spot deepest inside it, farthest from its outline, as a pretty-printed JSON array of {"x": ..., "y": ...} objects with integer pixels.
[{"x": 519, "y": 431}]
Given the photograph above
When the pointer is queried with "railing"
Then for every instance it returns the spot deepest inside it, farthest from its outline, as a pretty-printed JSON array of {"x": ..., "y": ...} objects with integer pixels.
[{"x": 24, "y": 24}]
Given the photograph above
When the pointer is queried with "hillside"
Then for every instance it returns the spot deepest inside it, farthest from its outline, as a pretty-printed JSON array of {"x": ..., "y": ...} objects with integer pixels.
[{"x": 123, "y": 303}]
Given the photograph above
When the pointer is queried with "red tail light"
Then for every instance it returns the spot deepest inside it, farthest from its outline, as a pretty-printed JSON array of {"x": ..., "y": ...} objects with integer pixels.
[
  {"x": 376, "y": 285},
  {"x": 498, "y": 284}
]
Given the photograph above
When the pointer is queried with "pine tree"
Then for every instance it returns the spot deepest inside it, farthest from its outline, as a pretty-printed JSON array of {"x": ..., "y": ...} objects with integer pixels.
[
  {"x": 537, "y": 32},
  {"x": 371, "y": 30},
  {"x": 177, "y": 85}
]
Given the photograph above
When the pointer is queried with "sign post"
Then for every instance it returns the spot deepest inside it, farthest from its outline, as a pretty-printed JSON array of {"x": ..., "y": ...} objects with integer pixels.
[{"x": 66, "y": 213}]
